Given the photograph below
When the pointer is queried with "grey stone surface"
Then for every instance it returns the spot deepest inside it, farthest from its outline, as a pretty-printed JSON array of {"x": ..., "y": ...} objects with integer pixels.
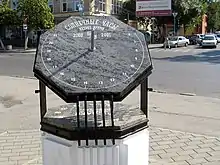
[
  {"x": 65, "y": 116},
  {"x": 114, "y": 66}
]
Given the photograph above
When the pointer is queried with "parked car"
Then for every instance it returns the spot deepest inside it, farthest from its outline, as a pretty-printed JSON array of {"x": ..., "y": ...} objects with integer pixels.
[
  {"x": 199, "y": 38},
  {"x": 218, "y": 37},
  {"x": 192, "y": 39},
  {"x": 177, "y": 41},
  {"x": 209, "y": 41}
]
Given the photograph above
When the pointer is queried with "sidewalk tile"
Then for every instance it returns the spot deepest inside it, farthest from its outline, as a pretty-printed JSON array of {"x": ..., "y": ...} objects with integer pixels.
[{"x": 165, "y": 149}]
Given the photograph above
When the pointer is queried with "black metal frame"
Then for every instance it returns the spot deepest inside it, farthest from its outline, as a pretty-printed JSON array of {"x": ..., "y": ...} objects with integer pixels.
[{"x": 106, "y": 132}]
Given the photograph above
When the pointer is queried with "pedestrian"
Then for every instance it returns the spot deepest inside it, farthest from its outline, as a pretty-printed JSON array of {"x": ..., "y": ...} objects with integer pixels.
[{"x": 167, "y": 43}]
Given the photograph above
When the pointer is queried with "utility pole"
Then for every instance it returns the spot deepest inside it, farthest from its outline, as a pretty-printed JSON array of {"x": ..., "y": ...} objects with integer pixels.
[{"x": 174, "y": 22}]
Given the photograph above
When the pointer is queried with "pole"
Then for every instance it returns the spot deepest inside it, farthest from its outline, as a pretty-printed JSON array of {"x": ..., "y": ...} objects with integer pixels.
[
  {"x": 128, "y": 17},
  {"x": 92, "y": 40},
  {"x": 25, "y": 36},
  {"x": 174, "y": 26},
  {"x": 174, "y": 22}
]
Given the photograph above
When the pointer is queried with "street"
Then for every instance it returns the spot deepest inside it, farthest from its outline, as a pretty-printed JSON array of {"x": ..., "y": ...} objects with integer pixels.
[
  {"x": 186, "y": 70},
  {"x": 16, "y": 64},
  {"x": 178, "y": 70}
]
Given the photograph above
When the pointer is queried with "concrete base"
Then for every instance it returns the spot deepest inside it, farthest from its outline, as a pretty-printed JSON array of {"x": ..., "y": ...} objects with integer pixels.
[{"x": 132, "y": 150}]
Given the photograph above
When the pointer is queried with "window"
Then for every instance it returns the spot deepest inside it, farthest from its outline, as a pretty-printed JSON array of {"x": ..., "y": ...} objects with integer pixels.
[
  {"x": 76, "y": 5},
  {"x": 70, "y": 5},
  {"x": 102, "y": 5},
  {"x": 14, "y": 4},
  {"x": 116, "y": 6},
  {"x": 50, "y": 4},
  {"x": 64, "y": 6}
]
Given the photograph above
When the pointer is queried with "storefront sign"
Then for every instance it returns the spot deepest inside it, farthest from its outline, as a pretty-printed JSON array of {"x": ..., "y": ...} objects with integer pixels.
[{"x": 153, "y": 8}]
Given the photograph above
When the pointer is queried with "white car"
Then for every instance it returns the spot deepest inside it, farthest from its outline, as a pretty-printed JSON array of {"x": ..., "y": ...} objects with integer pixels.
[
  {"x": 177, "y": 41},
  {"x": 209, "y": 41},
  {"x": 218, "y": 37}
]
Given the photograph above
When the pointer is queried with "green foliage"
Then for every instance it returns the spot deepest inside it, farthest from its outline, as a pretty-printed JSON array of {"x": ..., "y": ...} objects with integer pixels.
[
  {"x": 8, "y": 17},
  {"x": 213, "y": 14},
  {"x": 38, "y": 14},
  {"x": 190, "y": 12},
  {"x": 128, "y": 10}
]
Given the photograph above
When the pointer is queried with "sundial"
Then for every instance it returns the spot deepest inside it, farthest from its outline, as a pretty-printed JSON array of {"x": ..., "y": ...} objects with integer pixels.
[
  {"x": 92, "y": 55},
  {"x": 92, "y": 62}
]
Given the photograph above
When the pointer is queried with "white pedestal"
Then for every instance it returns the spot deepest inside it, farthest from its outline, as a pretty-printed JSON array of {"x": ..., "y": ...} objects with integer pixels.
[{"x": 133, "y": 150}]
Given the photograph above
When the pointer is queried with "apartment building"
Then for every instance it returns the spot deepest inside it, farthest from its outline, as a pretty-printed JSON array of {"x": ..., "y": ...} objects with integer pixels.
[{"x": 63, "y": 9}]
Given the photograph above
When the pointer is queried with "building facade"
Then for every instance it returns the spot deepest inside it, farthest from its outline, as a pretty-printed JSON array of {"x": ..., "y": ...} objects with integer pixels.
[{"x": 63, "y": 9}]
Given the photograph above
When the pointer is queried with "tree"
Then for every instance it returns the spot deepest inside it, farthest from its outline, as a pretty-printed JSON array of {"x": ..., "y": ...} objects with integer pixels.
[
  {"x": 213, "y": 14},
  {"x": 128, "y": 10},
  {"x": 37, "y": 13},
  {"x": 8, "y": 17},
  {"x": 190, "y": 12}
]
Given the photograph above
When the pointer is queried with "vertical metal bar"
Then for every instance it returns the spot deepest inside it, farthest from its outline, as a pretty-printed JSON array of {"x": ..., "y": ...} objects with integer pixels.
[
  {"x": 78, "y": 119},
  {"x": 92, "y": 40},
  {"x": 112, "y": 115},
  {"x": 43, "y": 99},
  {"x": 103, "y": 114},
  {"x": 144, "y": 97},
  {"x": 95, "y": 118},
  {"x": 86, "y": 118}
]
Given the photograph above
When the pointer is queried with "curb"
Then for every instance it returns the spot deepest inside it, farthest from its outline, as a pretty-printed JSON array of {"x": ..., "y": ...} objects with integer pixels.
[
  {"x": 149, "y": 89},
  {"x": 156, "y": 47},
  {"x": 24, "y": 77},
  {"x": 18, "y": 51},
  {"x": 183, "y": 94}
]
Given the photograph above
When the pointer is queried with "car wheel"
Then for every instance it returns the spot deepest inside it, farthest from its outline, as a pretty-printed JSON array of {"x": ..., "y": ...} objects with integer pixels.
[
  {"x": 186, "y": 44},
  {"x": 176, "y": 45}
]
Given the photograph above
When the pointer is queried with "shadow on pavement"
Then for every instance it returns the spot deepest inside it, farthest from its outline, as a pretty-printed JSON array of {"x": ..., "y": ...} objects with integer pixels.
[{"x": 212, "y": 56}]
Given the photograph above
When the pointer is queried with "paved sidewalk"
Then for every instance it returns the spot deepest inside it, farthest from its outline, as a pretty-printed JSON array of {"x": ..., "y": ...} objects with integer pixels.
[
  {"x": 167, "y": 147},
  {"x": 20, "y": 136}
]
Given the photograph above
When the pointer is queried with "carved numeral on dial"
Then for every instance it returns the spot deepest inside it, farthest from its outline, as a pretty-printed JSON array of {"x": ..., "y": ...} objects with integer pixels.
[
  {"x": 55, "y": 35},
  {"x": 54, "y": 66},
  {"x": 48, "y": 59},
  {"x": 48, "y": 51},
  {"x": 136, "y": 50},
  {"x": 132, "y": 66},
  {"x": 112, "y": 79},
  {"x": 73, "y": 79},
  {"x": 61, "y": 73},
  {"x": 50, "y": 43},
  {"x": 100, "y": 82},
  {"x": 85, "y": 82},
  {"x": 136, "y": 58},
  {"x": 125, "y": 74}
]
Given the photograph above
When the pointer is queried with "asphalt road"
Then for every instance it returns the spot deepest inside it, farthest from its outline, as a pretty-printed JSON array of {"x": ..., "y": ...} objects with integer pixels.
[
  {"x": 16, "y": 64},
  {"x": 187, "y": 70}
]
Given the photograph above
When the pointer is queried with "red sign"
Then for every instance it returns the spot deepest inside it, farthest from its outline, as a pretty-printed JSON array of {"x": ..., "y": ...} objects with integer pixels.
[{"x": 153, "y": 8}]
